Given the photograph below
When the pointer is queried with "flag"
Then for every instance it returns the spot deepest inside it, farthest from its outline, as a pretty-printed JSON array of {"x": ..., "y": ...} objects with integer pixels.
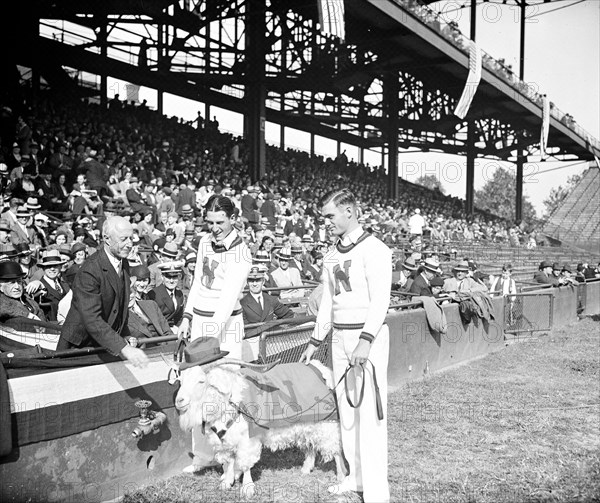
[
  {"x": 472, "y": 81},
  {"x": 545, "y": 126}
]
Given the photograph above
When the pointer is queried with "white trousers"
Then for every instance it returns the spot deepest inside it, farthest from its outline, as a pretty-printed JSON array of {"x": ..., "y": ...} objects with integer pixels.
[{"x": 364, "y": 436}]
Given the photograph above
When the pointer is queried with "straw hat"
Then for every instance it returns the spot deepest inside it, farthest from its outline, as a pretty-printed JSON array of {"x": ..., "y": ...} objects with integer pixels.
[{"x": 51, "y": 258}]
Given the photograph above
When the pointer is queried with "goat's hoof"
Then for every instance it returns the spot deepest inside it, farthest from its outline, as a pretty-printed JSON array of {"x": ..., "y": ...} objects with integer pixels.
[
  {"x": 247, "y": 491},
  {"x": 225, "y": 484}
]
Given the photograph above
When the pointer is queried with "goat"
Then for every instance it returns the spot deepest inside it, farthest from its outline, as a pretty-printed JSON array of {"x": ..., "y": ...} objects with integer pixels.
[{"x": 215, "y": 399}]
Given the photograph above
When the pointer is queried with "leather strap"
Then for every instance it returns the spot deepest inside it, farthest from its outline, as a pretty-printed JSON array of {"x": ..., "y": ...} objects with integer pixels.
[{"x": 378, "y": 402}]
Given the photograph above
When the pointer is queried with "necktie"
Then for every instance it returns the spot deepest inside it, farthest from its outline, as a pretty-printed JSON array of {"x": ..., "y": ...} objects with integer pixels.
[
  {"x": 174, "y": 299},
  {"x": 259, "y": 299},
  {"x": 119, "y": 270},
  {"x": 217, "y": 247},
  {"x": 57, "y": 286}
]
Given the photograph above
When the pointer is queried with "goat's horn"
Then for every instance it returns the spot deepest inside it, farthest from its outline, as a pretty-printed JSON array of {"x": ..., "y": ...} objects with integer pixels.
[
  {"x": 173, "y": 365},
  {"x": 262, "y": 368}
]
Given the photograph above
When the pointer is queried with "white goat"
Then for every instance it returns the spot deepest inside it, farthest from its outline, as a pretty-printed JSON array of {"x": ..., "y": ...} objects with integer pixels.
[{"x": 212, "y": 399}]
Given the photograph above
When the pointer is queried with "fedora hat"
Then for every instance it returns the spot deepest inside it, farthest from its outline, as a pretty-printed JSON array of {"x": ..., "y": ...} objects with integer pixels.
[
  {"x": 23, "y": 212},
  {"x": 463, "y": 266},
  {"x": 544, "y": 264},
  {"x": 202, "y": 350},
  {"x": 8, "y": 250},
  {"x": 409, "y": 264},
  {"x": 284, "y": 254},
  {"x": 307, "y": 238},
  {"x": 52, "y": 257},
  {"x": 33, "y": 204},
  {"x": 432, "y": 265},
  {"x": 190, "y": 257},
  {"x": 556, "y": 266},
  {"x": 3, "y": 168},
  {"x": 296, "y": 249},
  {"x": 261, "y": 257},
  {"x": 10, "y": 270},
  {"x": 186, "y": 209},
  {"x": 256, "y": 272},
  {"x": 169, "y": 250},
  {"x": 23, "y": 249}
]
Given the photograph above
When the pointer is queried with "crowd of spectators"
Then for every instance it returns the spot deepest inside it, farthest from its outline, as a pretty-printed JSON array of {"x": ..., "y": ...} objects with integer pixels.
[{"x": 65, "y": 167}]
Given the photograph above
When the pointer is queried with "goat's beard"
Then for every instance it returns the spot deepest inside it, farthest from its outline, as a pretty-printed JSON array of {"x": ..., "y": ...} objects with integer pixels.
[{"x": 191, "y": 416}]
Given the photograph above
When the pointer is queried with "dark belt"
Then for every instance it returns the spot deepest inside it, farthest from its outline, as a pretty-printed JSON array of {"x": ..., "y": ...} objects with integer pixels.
[{"x": 208, "y": 314}]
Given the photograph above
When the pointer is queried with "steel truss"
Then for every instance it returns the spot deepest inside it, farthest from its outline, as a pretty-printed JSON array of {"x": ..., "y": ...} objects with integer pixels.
[{"x": 312, "y": 79}]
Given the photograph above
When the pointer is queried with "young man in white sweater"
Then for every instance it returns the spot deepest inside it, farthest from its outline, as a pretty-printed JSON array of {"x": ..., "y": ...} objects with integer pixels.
[{"x": 357, "y": 278}]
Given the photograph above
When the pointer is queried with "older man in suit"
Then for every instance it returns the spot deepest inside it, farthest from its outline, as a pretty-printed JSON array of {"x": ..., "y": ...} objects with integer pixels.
[
  {"x": 461, "y": 282},
  {"x": 259, "y": 306},
  {"x": 99, "y": 311},
  {"x": 421, "y": 284}
]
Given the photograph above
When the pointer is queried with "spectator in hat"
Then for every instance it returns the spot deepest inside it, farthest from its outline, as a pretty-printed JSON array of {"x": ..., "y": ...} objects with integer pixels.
[
  {"x": 286, "y": 276},
  {"x": 14, "y": 302},
  {"x": 461, "y": 282},
  {"x": 259, "y": 306},
  {"x": 421, "y": 284},
  {"x": 137, "y": 199},
  {"x": 20, "y": 232},
  {"x": 27, "y": 262},
  {"x": 168, "y": 296},
  {"x": 80, "y": 253},
  {"x": 188, "y": 271},
  {"x": 168, "y": 253},
  {"x": 566, "y": 276},
  {"x": 56, "y": 288},
  {"x": 146, "y": 320},
  {"x": 408, "y": 270},
  {"x": 38, "y": 227},
  {"x": 60, "y": 161},
  {"x": 544, "y": 274}
]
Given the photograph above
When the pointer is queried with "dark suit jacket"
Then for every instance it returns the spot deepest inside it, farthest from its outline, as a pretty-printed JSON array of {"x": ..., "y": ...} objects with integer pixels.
[
  {"x": 99, "y": 313},
  {"x": 13, "y": 308},
  {"x": 158, "y": 325},
  {"x": 420, "y": 287},
  {"x": 544, "y": 279},
  {"x": 165, "y": 303},
  {"x": 249, "y": 208},
  {"x": 52, "y": 298},
  {"x": 273, "y": 309}
]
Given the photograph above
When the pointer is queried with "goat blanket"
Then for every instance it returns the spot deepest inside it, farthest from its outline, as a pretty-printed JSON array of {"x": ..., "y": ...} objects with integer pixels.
[{"x": 288, "y": 394}]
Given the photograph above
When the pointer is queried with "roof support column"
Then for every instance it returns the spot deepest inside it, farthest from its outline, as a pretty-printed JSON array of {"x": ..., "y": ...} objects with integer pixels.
[
  {"x": 470, "y": 194},
  {"x": 103, "y": 52},
  {"x": 519, "y": 186},
  {"x": 255, "y": 92},
  {"x": 391, "y": 91}
]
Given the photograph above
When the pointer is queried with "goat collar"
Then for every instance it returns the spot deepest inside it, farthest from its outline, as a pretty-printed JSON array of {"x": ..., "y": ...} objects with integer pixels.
[{"x": 223, "y": 431}]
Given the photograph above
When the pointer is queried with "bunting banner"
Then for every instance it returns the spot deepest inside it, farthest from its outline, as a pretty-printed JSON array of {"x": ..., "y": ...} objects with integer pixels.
[
  {"x": 473, "y": 79},
  {"x": 545, "y": 126}
]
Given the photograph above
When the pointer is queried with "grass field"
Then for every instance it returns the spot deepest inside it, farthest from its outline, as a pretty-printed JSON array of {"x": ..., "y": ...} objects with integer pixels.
[{"x": 520, "y": 425}]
